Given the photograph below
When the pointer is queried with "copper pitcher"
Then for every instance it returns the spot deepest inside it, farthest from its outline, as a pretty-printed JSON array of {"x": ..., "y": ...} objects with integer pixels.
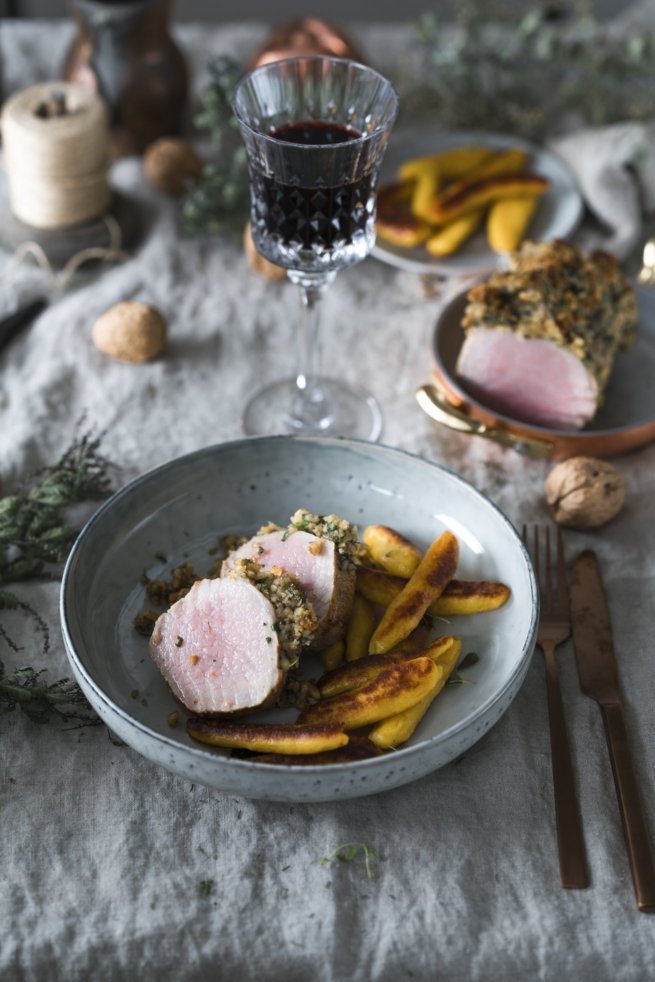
[{"x": 124, "y": 51}]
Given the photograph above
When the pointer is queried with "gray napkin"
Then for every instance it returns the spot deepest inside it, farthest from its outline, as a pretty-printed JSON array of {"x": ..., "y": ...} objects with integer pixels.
[{"x": 615, "y": 169}]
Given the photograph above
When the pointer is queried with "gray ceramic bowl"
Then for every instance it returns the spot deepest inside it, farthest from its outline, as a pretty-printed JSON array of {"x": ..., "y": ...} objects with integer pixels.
[{"x": 180, "y": 509}]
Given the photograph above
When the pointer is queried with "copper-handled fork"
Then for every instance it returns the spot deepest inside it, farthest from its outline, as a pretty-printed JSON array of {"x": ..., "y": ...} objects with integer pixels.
[{"x": 554, "y": 629}]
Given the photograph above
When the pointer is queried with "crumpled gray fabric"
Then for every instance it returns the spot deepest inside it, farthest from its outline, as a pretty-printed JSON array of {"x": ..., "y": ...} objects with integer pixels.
[
  {"x": 115, "y": 870},
  {"x": 615, "y": 169}
]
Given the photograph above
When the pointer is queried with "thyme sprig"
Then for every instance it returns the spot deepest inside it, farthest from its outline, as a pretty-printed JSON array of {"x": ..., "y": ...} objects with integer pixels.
[
  {"x": 33, "y": 529},
  {"x": 34, "y": 537},
  {"x": 42, "y": 701}
]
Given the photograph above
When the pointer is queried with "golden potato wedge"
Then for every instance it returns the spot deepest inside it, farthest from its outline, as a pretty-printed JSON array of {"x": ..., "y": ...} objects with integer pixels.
[
  {"x": 426, "y": 188},
  {"x": 357, "y": 748},
  {"x": 377, "y": 585},
  {"x": 507, "y": 222},
  {"x": 394, "y": 221},
  {"x": 392, "y": 690},
  {"x": 396, "y": 730},
  {"x": 428, "y": 582},
  {"x": 510, "y": 161},
  {"x": 451, "y": 236},
  {"x": 354, "y": 675},
  {"x": 359, "y": 628},
  {"x": 448, "y": 163},
  {"x": 332, "y": 655},
  {"x": 478, "y": 194},
  {"x": 415, "y": 641},
  {"x": 391, "y": 550},
  {"x": 459, "y": 597},
  {"x": 469, "y": 597},
  {"x": 280, "y": 738}
]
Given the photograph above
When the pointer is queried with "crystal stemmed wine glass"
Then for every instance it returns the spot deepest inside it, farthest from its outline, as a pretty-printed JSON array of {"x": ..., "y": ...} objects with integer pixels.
[{"x": 315, "y": 130}]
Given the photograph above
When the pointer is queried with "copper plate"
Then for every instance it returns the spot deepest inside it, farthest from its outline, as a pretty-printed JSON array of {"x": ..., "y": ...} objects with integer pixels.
[{"x": 624, "y": 422}]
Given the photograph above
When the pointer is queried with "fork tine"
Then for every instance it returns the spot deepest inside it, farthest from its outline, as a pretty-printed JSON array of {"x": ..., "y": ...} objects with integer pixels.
[
  {"x": 536, "y": 557},
  {"x": 562, "y": 590},
  {"x": 549, "y": 573}
]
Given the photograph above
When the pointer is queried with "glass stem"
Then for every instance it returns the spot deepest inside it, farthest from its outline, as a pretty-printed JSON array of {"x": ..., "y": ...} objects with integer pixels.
[{"x": 309, "y": 411}]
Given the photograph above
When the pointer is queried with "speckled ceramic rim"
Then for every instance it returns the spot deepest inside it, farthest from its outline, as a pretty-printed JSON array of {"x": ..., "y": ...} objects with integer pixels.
[{"x": 371, "y": 763}]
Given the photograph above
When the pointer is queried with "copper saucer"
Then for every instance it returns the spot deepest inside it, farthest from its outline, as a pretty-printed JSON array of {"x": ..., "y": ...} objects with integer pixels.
[{"x": 624, "y": 422}]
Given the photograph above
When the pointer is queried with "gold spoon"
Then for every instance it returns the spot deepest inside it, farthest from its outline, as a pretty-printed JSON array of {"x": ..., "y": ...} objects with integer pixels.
[
  {"x": 646, "y": 274},
  {"x": 435, "y": 404}
]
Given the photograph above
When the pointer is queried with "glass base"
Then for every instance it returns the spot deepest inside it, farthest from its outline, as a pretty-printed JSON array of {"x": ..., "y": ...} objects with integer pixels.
[{"x": 328, "y": 408}]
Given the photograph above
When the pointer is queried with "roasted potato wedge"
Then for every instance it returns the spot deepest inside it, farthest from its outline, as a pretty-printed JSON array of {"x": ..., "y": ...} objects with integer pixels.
[
  {"x": 469, "y": 597},
  {"x": 377, "y": 585},
  {"x": 507, "y": 222},
  {"x": 356, "y": 674},
  {"x": 396, "y": 730},
  {"x": 429, "y": 580},
  {"x": 449, "y": 164},
  {"x": 357, "y": 748},
  {"x": 394, "y": 221},
  {"x": 426, "y": 188},
  {"x": 359, "y": 628},
  {"x": 333, "y": 655},
  {"x": 459, "y": 597},
  {"x": 478, "y": 194},
  {"x": 391, "y": 550},
  {"x": 279, "y": 738},
  {"x": 392, "y": 690},
  {"x": 451, "y": 236}
]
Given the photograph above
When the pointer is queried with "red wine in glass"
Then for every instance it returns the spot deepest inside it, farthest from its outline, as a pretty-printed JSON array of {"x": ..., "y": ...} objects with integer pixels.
[{"x": 334, "y": 223}]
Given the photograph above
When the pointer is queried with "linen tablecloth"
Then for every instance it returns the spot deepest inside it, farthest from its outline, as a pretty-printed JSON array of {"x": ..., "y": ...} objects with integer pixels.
[{"x": 115, "y": 870}]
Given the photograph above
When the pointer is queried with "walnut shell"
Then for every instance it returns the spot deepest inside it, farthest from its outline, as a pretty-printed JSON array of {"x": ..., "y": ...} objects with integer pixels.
[
  {"x": 257, "y": 262},
  {"x": 170, "y": 164},
  {"x": 130, "y": 331},
  {"x": 584, "y": 493}
]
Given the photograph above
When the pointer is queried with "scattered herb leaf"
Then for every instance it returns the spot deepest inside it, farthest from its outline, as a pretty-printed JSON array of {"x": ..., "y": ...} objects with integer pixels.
[{"x": 351, "y": 851}]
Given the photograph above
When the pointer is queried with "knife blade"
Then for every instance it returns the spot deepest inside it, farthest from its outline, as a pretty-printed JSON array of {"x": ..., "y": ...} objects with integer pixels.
[
  {"x": 16, "y": 321},
  {"x": 597, "y": 670}
]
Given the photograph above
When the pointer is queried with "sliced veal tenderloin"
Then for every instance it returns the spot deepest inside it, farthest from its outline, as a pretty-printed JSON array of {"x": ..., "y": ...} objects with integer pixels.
[
  {"x": 541, "y": 338},
  {"x": 319, "y": 568},
  {"x": 223, "y": 647}
]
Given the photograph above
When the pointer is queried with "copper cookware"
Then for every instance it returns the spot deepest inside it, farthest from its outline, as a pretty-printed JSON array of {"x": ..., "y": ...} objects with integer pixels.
[
  {"x": 625, "y": 422},
  {"x": 307, "y": 36}
]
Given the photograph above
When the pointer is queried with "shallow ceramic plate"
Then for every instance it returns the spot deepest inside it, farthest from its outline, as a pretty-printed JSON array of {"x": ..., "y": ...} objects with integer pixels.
[
  {"x": 626, "y": 419},
  {"x": 179, "y": 511},
  {"x": 559, "y": 213}
]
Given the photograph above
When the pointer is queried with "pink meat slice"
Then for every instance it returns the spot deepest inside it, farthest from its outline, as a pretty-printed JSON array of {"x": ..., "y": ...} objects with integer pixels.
[
  {"x": 314, "y": 563},
  {"x": 528, "y": 379},
  {"x": 217, "y": 648}
]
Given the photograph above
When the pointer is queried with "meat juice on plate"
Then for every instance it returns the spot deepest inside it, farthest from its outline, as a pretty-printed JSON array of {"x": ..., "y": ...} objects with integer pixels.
[{"x": 326, "y": 226}]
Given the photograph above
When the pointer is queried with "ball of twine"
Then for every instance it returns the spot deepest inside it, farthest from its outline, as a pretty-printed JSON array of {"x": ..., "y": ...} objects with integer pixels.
[{"x": 55, "y": 138}]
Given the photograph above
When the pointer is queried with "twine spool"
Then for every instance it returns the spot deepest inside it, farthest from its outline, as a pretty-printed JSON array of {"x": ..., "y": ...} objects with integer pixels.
[{"x": 56, "y": 140}]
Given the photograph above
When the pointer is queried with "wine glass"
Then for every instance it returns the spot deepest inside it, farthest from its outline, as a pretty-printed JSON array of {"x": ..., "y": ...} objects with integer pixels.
[{"x": 315, "y": 129}]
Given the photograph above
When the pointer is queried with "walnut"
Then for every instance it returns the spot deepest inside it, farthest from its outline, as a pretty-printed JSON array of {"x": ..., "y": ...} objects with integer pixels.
[
  {"x": 257, "y": 262},
  {"x": 170, "y": 164},
  {"x": 584, "y": 493},
  {"x": 130, "y": 331}
]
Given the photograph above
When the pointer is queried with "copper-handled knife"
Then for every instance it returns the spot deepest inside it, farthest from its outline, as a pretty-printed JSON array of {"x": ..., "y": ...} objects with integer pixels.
[{"x": 594, "y": 653}]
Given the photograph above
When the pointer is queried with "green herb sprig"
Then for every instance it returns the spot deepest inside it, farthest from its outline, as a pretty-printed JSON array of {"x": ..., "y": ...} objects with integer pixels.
[
  {"x": 528, "y": 78},
  {"x": 34, "y": 537},
  {"x": 42, "y": 701},
  {"x": 33, "y": 530},
  {"x": 220, "y": 198},
  {"x": 350, "y": 851}
]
